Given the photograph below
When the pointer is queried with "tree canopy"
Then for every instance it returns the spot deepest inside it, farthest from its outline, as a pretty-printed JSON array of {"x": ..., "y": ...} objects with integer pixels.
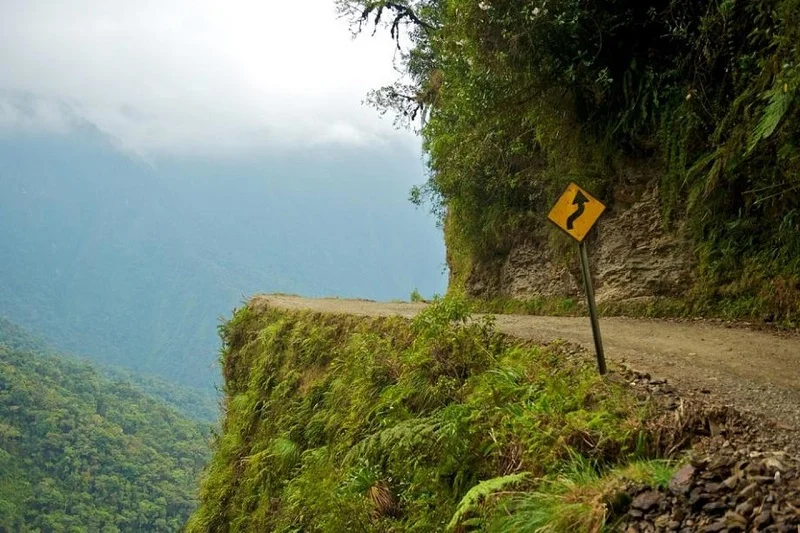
[{"x": 81, "y": 453}]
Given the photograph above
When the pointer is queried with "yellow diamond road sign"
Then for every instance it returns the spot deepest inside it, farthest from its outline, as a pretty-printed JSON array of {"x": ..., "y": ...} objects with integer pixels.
[{"x": 576, "y": 212}]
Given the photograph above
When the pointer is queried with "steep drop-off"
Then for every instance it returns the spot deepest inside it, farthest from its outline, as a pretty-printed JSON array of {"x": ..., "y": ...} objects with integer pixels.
[
  {"x": 351, "y": 422},
  {"x": 345, "y": 423}
]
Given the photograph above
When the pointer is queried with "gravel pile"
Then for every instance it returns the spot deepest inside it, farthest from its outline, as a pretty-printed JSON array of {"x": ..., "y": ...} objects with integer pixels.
[{"x": 726, "y": 491}]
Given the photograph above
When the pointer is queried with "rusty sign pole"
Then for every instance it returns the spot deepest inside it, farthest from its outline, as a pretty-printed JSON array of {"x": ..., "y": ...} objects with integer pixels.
[
  {"x": 587, "y": 285},
  {"x": 576, "y": 212}
]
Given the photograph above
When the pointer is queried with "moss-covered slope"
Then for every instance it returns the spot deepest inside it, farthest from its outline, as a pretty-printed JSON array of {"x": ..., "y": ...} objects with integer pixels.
[{"x": 341, "y": 423}]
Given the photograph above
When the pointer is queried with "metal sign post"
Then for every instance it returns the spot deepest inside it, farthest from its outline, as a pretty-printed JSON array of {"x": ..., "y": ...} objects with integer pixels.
[
  {"x": 576, "y": 212},
  {"x": 587, "y": 285}
]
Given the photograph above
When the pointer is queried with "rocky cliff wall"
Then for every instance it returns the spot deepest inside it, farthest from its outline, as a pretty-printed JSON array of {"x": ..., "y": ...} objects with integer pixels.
[{"x": 633, "y": 256}]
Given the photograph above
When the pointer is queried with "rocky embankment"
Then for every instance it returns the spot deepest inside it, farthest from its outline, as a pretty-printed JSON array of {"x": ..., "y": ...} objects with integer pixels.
[
  {"x": 743, "y": 474},
  {"x": 724, "y": 491}
]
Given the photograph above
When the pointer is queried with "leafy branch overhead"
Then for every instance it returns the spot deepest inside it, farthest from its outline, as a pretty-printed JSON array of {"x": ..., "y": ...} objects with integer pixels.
[
  {"x": 412, "y": 25},
  {"x": 366, "y": 12}
]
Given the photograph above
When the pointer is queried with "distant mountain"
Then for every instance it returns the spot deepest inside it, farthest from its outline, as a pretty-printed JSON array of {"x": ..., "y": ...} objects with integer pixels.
[
  {"x": 133, "y": 262},
  {"x": 197, "y": 404},
  {"x": 81, "y": 453}
]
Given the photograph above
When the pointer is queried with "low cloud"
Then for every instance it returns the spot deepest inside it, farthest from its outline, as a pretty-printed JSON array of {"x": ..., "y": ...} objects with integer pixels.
[{"x": 192, "y": 77}]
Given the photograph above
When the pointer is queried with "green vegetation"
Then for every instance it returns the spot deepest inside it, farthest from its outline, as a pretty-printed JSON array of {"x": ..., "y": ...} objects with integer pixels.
[
  {"x": 557, "y": 306},
  {"x": 79, "y": 453},
  {"x": 197, "y": 404},
  {"x": 698, "y": 98},
  {"x": 340, "y": 423},
  {"x": 664, "y": 307}
]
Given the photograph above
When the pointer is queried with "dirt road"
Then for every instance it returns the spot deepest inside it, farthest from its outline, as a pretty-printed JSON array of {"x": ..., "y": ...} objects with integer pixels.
[{"x": 753, "y": 371}]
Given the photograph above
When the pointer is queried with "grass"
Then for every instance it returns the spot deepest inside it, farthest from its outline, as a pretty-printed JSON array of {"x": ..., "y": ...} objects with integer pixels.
[
  {"x": 735, "y": 308},
  {"x": 336, "y": 423},
  {"x": 582, "y": 498},
  {"x": 553, "y": 306}
]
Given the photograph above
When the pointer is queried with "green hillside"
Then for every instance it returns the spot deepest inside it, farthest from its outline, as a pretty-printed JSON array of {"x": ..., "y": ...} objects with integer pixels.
[
  {"x": 340, "y": 423},
  {"x": 81, "y": 453},
  {"x": 197, "y": 404}
]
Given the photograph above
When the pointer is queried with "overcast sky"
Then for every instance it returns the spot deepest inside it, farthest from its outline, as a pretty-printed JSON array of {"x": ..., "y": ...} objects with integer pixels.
[{"x": 188, "y": 77}]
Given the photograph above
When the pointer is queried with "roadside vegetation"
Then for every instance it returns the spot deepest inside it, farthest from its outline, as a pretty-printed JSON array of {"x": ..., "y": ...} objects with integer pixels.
[
  {"x": 340, "y": 423},
  {"x": 733, "y": 309},
  {"x": 515, "y": 98}
]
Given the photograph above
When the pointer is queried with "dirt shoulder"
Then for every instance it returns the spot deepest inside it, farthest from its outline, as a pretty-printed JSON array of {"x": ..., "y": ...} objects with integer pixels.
[{"x": 755, "y": 372}]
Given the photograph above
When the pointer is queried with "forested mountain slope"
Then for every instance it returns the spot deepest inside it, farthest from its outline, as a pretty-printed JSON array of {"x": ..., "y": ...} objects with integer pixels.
[
  {"x": 79, "y": 452},
  {"x": 197, "y": 404}
]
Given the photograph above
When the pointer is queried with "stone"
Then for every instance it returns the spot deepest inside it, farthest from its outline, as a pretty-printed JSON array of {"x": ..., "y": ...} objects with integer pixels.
[
  {"x": 731, "y": 482},
  {"x": 748, "y": 491},
  {"x": 734, "y": 519},
  {"x": 698, "y": 498},
  {"x": 744, "y": 508},
  {"x": 716, "y": 526},
  {"x": 647, "y": 500},
  {"x": 682, "y": 480},
  {"x": 630, "y": 263},
  {"x": 762, "y": 520},
  {"x": 716, "y": 507},
  {"x": 661, "y": 522},
  {"x": 775, "y": 463}
]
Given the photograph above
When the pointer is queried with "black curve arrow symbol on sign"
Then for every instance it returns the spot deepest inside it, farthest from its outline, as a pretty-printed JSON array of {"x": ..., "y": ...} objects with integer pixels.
[{"x": 580, "y": 200}]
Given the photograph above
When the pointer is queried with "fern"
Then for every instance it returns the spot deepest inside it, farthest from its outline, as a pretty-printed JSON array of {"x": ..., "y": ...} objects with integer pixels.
[
  {"x": 779, "y": 100},
  {"x": 479, "y": 493},
  {"x": 406, "y": 435}
]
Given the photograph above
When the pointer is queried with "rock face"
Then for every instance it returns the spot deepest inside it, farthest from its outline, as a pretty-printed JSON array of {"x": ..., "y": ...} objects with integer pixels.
[
  {"x": 633, "y": 256},
  {"x": 636, "y": 257}
]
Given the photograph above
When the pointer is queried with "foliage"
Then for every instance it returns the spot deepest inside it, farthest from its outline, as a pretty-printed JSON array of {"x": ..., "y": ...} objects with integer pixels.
[
  {"x": 80, "y": 453},
  {"x": 197, "y": 404},
  {"x": 578, "y": 499},
  {"x": 416, "y": 296},
  {"x": 522, "y": 96},
  {"x": 554, "y": 306},
  {"x": 782, "y": 312},
  {"x": 479, "y": 493},
  {"x": 16, "y": 338},
  {"x": 341, "y": 423}
]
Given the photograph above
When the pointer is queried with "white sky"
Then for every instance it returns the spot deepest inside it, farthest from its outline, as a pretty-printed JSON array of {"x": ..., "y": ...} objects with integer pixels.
[{"x": 186, "y": 77}]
